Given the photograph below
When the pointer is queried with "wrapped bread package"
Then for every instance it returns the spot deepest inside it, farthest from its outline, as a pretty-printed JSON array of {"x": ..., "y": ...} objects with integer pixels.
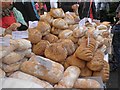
[
  {"x": 34, "y": 36},
  {"x": 43, "y": 27},
  {"x": 43, "y": 68},
  {"x": 87, "y": 84},
  {"x": 57, "y": 13},
  {"x": 60, "y": 23},
  {"x": 71, "y": 74},
  {"x": 2, "y": 73},
  {"x": 27, "y": 77},
  {"x": 56, "y": 52},
  {"x": 40, "y": 47}
]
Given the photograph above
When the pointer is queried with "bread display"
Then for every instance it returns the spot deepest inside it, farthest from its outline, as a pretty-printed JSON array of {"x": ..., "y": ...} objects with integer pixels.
[
  {"x": 40, "y": 47},
  {"x": 86, "y": 72},
  {"x": 56, "y": 52},
  {"x": 60, "y": 23},
  {"x": 69, "y": 78},
  {"x": 24, "y": 76},
  {"x": 87, "y": 84},
  {"x": 51, "y": 38},
  {"x": 43, "y": 27},
  {"x": 57, "y": 13},
  {"x": 74, "y": 61},
  {"x": 34, "y": 36},
  {"x": 35, "y": 68},
  {"x": 2, "y": 73}
]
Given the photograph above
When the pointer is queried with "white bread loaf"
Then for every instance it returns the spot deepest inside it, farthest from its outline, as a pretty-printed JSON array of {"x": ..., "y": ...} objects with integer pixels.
[
  {"x": 27, "y": 77},
  {"x": 71, "y": 74},
  {"x": 2, "y": 73},
  {"x": 35, "y": 68}
]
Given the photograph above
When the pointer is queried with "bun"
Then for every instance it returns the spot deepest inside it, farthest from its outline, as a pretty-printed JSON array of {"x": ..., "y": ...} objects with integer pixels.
[
  {"x": 69, "y": 18},
  {"x": 55, "y": 31}
]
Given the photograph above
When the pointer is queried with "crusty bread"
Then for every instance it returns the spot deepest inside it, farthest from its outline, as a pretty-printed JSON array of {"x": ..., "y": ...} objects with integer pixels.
[
  {"x": 86, "y": 72},
  {"x": 55, "y": 31}
]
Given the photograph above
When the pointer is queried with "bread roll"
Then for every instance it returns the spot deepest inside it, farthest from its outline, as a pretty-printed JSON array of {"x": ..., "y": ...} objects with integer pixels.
[
  {"x": 40, "y": 47},
  {"x": 27, "y": 77},
  {"x": 56, "y": 52},
  {"x": 55, "y": 31},
  {"x": 13, "y": 57},
  {"x": 69, "y": 18},
  {"x": 71, "y": 74},
  {"x": 57, "y": 12},
  {"x": 2, "y": 73},
  {"x": 72, "y": 27},
  {"x": 34, "y": 36},
  {"x": 65, "y": 34},
  {"x": 23, "y": 44},
  {"x": 86, "y": 72},
  {"x": 75, "y": 40},
  {"x": 87, "y": 84},
  {"x": 104, "y": 73},
  {"x": 68, "y": 45},
  {"x": 13, "y": 67},
  {"x": 35, "y": 68},
  {"x": 60, "y": 23},
  {"x": 43, "y": 27},
  {"x": 51, "y": 38},
  {"x": 96, "y": 64},
  {"x": 74, "y": 61}
]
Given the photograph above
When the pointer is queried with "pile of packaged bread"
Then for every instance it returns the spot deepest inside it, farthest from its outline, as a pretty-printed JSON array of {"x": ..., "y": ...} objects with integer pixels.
[{"x": 72, "y": 53}]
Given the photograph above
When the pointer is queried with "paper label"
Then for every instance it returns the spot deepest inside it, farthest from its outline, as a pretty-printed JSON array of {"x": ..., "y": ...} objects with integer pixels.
[
  {"x": 53, "y": 3},
  {"x": 19, "y": 34},
  {"x": 33, "y": 24},
  {"x": 2, "y": 30},
  {"x": 4, "y": 41},
  {"x": 43, "y": 62}
]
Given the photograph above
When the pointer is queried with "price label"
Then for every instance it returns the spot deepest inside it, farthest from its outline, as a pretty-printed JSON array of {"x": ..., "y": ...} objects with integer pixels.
[
  {"x": 19, "y": 34},
  {"x": 44, "y": 62},
  {"x": 33, "y": 24},
  {"x": 4, "y": 41}
]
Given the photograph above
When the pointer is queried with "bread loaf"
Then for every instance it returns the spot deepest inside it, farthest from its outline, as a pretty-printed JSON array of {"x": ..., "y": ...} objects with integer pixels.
[
  {"x": 27, "y": 77},
  {"x": 2, "y": 73},
  {"x": 65, "y": 34},
  {"x": 78, "y": 32},
  {"x": 57, "y": 12},
  {"x": 43, "y": 27},
  {"x": 34, "y": 36},
  {"x": 87, "y": 84},
  {"x": 35, "y": 68},
  {"x": 71, "y": 74},
  {"x": 13, "y": 67},
  {"x": 72, "y": 27},
  {"x": 75, "y": 40},
  {"x": 74, "y": 61},
  {"x": 69, "y": 18},
  {"x": 96, "y": 64},
  {"x": 51, "y": 38},
  {"x": 68, "y": 45},
  {"x": 85, "y": 72},
  {"x": 13, "y": 57},
  {"x": 40, "y": 47},
  {"x": 55, "y": 31},
  {"x": 60, "y": 23},
  {"x": 56, "y": 52}
]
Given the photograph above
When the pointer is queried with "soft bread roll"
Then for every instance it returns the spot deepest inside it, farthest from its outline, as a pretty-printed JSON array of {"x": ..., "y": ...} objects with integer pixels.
[
  {"x": 34, "y": 36},
  {"x": 27, "y": 77},
  {"x": 60, "y": 23},
  {"x": 2, "y": 73},
  {"x": 13, "y": 57},
  {"x": 51, "y": 38},
  {"x": 104, "y": 73},
  {"x": 23, "y": 44},
  {"x": 74, "y": 61},
  {"x": 86, "y": 72},
  {"x": 40, "y": 47},
  {"x": 55, "y": 31},
  {"x": 69, "y": 18},
  {"x": 71, "y": 74},
  {"x": 43, "y": 27},
  {"x": 35, "y": 68},
  {"x": 96, "y": 64},
  {"x": 68, "y": 45},
  {"x": 56, "y": 52},
  {"x": 13, "y": 67},
  {"x": 57, "y": 12},
  {"x": 87, "y": 84},
  {"x": 65, "y": 34}
]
